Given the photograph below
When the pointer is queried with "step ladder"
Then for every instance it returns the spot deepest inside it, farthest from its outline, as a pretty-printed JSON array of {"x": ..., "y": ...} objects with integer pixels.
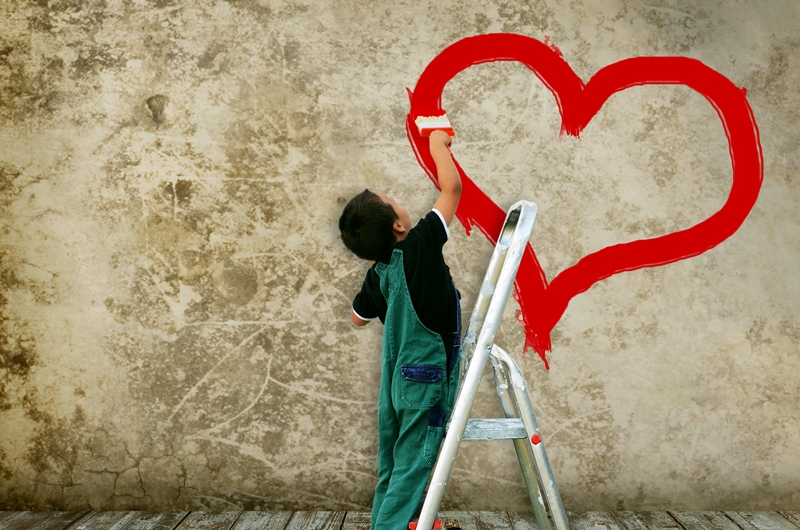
[{"x": 519, "y": 424}]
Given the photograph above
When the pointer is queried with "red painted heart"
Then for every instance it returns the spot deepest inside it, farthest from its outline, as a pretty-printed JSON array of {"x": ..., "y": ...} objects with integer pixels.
[{"x": 541, "y": 305}]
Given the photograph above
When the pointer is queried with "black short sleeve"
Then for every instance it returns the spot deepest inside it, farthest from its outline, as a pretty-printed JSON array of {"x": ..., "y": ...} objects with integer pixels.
[
  {"x": 427, "y": 276},
  {"x": 369, "y": 303},
  {"x": 432, "y": 230}
]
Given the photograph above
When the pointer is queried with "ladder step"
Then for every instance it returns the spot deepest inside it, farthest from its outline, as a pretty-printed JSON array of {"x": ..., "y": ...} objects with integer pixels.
[{"x": 494, "y": 429}]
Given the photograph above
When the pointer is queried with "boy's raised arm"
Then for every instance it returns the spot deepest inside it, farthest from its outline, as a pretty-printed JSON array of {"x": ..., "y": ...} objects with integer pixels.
[{"x": 449, "y": 179}]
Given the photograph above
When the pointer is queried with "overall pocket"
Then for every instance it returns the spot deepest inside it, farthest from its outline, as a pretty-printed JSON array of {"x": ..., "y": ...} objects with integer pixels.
[
  {"x": 421, "y": 385},
  {"x": 434, "y": 433},
  {"x": 433, "y": 439}
]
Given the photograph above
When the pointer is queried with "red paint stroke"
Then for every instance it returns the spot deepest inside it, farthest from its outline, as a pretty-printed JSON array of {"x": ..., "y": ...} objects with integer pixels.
[{"x": 541, "y": 305}]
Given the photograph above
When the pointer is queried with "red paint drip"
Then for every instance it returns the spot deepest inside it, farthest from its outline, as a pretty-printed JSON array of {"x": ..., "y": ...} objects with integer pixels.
[
  {"x": 542, "y": 304},
  {"x": 536, "y": 439}
]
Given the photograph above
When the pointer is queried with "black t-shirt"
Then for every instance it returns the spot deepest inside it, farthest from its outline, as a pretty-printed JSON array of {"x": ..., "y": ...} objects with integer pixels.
[{"x": 427, "y": 276}]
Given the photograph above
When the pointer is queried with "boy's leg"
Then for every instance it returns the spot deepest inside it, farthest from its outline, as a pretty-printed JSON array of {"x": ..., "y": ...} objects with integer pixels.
[
  {"x": 388, "y": 430},
  {"x": 414, "y": 454}
]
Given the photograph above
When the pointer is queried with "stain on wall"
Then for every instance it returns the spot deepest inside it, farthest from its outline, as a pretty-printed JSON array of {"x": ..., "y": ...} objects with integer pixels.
[{"x": 174, "y": 308}]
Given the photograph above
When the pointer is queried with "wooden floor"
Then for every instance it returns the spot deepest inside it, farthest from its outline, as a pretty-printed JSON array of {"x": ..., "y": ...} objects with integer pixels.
[{"x": 360, "y": 520}]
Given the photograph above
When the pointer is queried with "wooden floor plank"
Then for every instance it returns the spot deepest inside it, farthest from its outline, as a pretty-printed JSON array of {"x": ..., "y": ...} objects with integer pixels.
[
  {"x": 740, "y": 521},
  {"x": 762, "y": 520},
  {"x": 316, "y": 521},
  {"x": 594, "y": 521},
  {"x": 154, "y": 521},
  {"x": 648, "y": 520},
  {"x": 262, "y": 521},
  {"x": 104, "y": 520},
  {"x": 60, "y": 521},
  {"x": 26, "y": 520},
  {"x": 209, "y": 521},
  {"x": 792, "y": 516},
  {"x": 704, "y": 521},
  {"x": 522, "y": 521},
  {"x": 329, "y": 520},
  {"x": 457, "y": 520},
  {"x": 357, "y": 521},
  {"x": 490, "y": 520},
  {"x": 6, "y": 515},
  {"x": 476, "y": 520}
]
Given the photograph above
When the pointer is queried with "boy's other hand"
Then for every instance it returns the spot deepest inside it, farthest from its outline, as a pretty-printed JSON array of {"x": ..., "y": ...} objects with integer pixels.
[{"x": 356, "y": 320}]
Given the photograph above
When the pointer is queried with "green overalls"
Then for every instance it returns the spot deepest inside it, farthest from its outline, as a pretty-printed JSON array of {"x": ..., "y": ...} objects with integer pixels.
[{"x": 416, "y": 397}]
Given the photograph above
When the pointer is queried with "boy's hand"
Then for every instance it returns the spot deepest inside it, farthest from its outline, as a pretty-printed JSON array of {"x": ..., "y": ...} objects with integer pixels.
[{"x": 441, "y": 137}]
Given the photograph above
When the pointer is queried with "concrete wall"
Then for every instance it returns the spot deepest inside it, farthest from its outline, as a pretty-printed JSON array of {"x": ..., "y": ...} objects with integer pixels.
[{"x": 175, "y": 299}]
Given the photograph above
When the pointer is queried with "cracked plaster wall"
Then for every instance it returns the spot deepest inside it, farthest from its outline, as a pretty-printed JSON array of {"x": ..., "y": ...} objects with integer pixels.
[{"x": 175, "y": 296}]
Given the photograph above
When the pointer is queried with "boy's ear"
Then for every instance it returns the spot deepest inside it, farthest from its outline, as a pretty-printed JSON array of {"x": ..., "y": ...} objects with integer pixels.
[{"x": 398, "y": 227}]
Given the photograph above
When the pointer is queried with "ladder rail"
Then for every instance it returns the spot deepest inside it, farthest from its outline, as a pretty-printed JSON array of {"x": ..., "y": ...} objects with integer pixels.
[
  {"x": 544, "y": 470},
  {"x": 494, "y": 295},
  {"x": 527, "y": 461},
  {"x": 478, "y": 316}
]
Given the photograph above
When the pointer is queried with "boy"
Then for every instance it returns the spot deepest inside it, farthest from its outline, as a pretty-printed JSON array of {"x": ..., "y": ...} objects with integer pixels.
[{"x": 410, "y": 289}]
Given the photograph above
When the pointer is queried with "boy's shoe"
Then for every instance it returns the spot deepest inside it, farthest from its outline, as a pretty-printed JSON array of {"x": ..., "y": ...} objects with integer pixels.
[{"x": 437, "y": 524}]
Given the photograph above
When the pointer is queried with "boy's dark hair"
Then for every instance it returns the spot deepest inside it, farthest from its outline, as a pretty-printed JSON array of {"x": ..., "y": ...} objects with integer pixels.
[{"x": 366, "y": 227}]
